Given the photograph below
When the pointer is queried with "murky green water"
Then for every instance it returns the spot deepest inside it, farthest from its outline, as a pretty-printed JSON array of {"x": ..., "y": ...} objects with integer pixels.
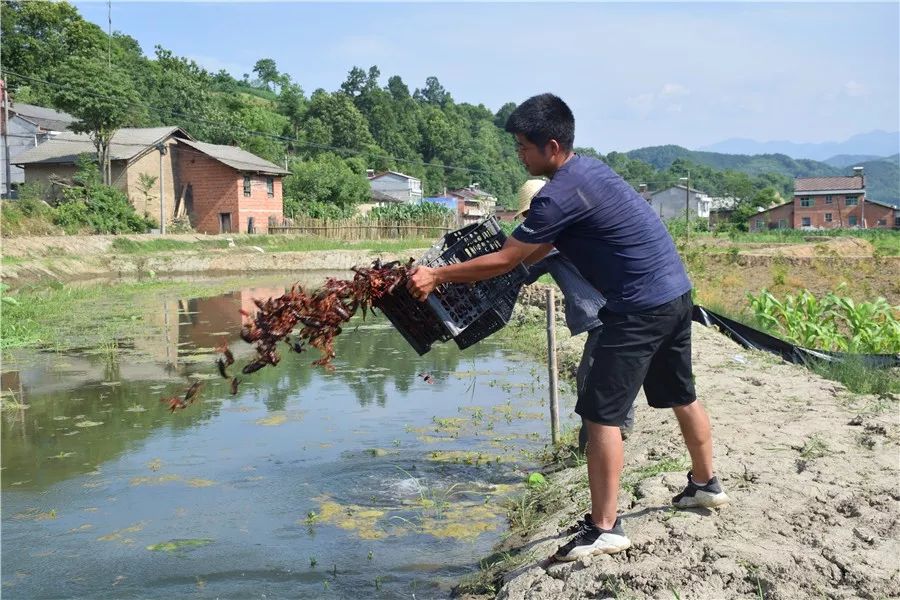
[{"x": 363, "y": 482}]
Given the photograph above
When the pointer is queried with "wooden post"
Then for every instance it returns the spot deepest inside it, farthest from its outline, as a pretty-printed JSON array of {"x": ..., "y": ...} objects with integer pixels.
[{"x": 551, "y": 364}]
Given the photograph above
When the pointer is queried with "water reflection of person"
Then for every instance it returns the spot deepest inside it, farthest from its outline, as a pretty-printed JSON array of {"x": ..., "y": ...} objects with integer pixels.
[{"x": 582, "y": 300}]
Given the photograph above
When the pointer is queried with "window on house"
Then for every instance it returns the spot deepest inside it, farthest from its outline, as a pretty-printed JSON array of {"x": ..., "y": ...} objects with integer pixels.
[
  {"x": 882, "y": 222},
  {"x": 782, "y": 223},
  {"x": 828, "y": 217},
  {"x": 759, "y": 223},
  {"x": 806, "y": 222},
  {"x": 897, "y": 222},
  {"x": 852, "y": 201},
  {"x": 270, "y": 187},
  {"x": 246, "y": 185},
  {"x": 807, "y": 201},
  {"x": 828, "y": 200},
  {"x": 852, "y": 220}
]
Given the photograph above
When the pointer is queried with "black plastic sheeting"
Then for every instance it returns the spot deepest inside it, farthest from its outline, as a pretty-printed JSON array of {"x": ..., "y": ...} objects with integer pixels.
[{"x": 748, "y": 337}]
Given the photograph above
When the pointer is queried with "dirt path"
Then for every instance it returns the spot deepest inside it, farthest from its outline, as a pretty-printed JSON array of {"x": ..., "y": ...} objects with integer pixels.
[{"x": 812, "y": 471}]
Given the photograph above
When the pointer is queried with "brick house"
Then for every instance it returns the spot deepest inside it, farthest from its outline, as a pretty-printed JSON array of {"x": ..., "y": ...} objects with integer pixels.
[
  {"x": 219, "y": 188},
  {"x": 473, "y": 203},
  {"x": 224, "y": 189},
  {"x": 133, "y": 152},
  {"x": 828, "y": 203}
]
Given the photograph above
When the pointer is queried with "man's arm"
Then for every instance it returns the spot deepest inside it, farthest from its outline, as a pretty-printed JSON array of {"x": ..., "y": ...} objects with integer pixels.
[
  {"x": 423, "y": 280},
  {"x": 542, "y": 251}
]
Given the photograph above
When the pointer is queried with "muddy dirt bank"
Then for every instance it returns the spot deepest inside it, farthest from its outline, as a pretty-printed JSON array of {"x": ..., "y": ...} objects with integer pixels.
[
  {"x": 70, "y": 258},
  {"x": 811, "y": 469}
]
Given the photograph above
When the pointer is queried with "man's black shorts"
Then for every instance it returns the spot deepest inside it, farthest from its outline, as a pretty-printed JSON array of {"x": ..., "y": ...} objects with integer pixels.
[{"x": 651, "y": 348}]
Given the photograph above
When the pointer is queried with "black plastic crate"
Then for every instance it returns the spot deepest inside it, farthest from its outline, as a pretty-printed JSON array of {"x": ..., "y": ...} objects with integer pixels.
[
  {"x": 459, "y": 305},
  {"x": 453, "y": 308},
  {"x": 413, "y": 319},
  {"x": 490, "y": 322}
]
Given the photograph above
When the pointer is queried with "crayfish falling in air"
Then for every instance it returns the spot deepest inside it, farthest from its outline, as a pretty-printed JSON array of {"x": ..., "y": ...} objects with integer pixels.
[{"x": 319, "y": 316}]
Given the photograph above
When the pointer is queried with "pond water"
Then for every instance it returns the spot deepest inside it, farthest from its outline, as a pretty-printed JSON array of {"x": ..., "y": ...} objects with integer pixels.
[{"x": 366, "y": 481}]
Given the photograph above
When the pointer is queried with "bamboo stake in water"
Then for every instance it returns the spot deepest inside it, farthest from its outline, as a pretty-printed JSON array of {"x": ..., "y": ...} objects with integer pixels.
[{"x": 551, "y": 364}]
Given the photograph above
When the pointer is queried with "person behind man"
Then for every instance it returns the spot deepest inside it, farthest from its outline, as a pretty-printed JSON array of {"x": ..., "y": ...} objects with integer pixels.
[
  {"x": 582, "y": 301},
  {"x": 619, "y": 245}
]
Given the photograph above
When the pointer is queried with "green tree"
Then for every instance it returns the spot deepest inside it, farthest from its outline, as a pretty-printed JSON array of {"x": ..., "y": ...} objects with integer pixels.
[
  {"x": 292, "y": 104},
  {"x": 748, "y": 207},
  {"x": 267, "y": 72},
  {"x": 40, "y": 36},
  {"x": 333, "y": 120},
  {"x": 503, "y": 114},
  {"x": 433, "y": 93},
  {"x": 326, "y": 179},
  {"x": 102, "y": 98}
]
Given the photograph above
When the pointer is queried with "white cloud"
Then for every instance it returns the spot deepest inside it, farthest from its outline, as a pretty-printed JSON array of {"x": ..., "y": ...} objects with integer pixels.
[
  {"x": 664, "y": 100},
  {"x": 854, "y": 89},
  {"x": 673, "y": 89}
]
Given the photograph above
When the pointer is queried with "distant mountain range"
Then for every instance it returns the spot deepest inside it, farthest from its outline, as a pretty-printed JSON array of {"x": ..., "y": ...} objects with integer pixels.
[
  {"x": 882, "y": 173},
  {"x": 872, "y": 144}
]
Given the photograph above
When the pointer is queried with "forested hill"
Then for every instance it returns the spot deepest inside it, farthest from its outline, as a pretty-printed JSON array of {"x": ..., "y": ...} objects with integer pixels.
[{"x": 329, "y": 138}]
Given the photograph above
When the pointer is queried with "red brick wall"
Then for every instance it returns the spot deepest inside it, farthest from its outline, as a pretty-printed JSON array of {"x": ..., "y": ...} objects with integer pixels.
[
  {"x": 259, "y": 205},
  {"x": 215, "y": 188},
  {"x": 841, "y": 214},
  {"x": 771, "y": 218}
]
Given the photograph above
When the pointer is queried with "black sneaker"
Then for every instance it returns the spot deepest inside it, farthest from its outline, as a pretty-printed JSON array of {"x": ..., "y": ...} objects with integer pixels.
[
  {"x": 591, "y": 540},
  {"x": 707, "y": 496},
  {"x": 578, "y": 526}
]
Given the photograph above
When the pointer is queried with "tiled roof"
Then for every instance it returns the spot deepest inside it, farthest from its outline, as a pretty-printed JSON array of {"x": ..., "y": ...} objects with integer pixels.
[
  {"x": 126, "y": 144},
  {"x": 820, "y": 184},
  {"x": 46, "y": 118},
  {"x": 236, "y": 158},
  {"x": 382, "y": 197},
  {"x": 383, "y": 173}
]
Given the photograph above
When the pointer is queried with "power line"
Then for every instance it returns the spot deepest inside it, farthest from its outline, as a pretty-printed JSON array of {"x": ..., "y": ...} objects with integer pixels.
[{"x": 292, "y": 140}]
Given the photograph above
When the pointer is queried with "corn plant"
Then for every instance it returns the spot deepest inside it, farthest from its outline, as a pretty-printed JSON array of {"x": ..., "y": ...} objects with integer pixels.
[{"x": 832, "y": 322}]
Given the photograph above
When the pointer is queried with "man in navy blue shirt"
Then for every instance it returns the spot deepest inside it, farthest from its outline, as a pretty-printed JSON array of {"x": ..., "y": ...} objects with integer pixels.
[{"x": 610, "y": 233}]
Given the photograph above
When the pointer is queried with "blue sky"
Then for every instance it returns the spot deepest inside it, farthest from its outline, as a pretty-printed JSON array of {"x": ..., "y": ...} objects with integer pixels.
[{"x": 635, "y": 74}]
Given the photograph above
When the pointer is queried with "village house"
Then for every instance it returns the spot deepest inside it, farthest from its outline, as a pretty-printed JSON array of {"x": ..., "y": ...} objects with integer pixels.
[
  {"x": 25, "y": 127},
  {"x": 473, "y": 203},
  {"x": 721, "y": 209},
  {"x": 828, "y": 203},
  {"x": 403, "y": 187},
  {"x": 376, "y": 200},
  {"x": 224, "y": 189},
  {"x": 220, "y": 189},
  {"x": 670, "y": 203}
]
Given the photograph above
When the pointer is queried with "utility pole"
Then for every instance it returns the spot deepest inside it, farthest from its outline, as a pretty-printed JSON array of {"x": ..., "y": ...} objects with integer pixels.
[
  {"x": 862, "y": 204},
  {"x": 7, "y": 169},
  {"x": 162, "y": 190},
  {"x": 109, "y": 34},
  {"x": 687, "y": 206}
]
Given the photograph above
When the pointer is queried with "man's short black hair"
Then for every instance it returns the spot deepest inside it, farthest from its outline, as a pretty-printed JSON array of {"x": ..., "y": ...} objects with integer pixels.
[{"x": 543, "y": 118}]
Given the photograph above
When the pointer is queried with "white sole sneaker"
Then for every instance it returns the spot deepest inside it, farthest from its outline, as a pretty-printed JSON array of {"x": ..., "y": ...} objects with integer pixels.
[
  {"x": 591, "y": 540},
  {"x": 605, "y": 544},
  {"x": 703, "y": 499}
]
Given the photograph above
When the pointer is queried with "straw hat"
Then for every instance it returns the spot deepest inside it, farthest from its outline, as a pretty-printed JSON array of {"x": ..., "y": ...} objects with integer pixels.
[{"x": 528, "y": 191}]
